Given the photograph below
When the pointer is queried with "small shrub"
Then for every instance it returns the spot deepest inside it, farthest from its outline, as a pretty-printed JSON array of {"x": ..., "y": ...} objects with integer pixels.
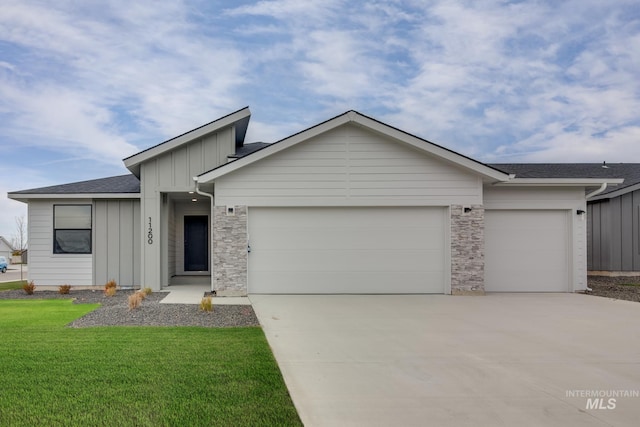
[
  {"x": 64, "y": 289},
  {"x": 206, "y": 304},
  {"x": 135, "y": 300},
  {"x": 147, "y": 291},
  {"x": 29, "y": 288},
  {"x": 110, "y": 288}
]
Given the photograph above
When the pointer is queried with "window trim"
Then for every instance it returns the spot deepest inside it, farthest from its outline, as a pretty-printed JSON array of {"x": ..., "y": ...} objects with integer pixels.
[{"x": 55, "y": 230}]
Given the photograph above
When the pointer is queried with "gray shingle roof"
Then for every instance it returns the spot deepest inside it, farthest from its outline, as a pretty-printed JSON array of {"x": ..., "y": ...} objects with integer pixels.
[
  {"x": 250, "y": 148},
  {"x": 629, "y": 171},
  {"x": 130, "y": 184},
  {"x": 112, "y": 185}
]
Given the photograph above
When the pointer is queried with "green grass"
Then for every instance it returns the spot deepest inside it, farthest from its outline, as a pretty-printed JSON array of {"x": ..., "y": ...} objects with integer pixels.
[
  {"x": 630, "y": 284},
  {"x": 133, "y": 376},
  {"x": 7, "y": 286}
]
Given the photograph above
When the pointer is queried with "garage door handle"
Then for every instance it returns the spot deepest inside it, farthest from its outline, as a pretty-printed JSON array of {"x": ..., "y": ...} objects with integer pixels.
[{"x": 248, "y": 248}]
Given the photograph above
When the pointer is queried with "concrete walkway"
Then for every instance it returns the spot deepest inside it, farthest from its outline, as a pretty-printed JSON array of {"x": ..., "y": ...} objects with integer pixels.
[
  {"x": 193, "y": 294},
  {"x": 497, "y": 360}
]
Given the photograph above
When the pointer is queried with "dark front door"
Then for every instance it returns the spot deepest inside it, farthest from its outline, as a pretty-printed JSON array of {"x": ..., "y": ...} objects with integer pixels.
[{"x": 196, "y": 248}]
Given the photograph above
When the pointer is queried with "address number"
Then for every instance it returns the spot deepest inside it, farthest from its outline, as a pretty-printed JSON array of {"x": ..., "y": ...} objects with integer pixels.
[{"x": 150, "y": 233}]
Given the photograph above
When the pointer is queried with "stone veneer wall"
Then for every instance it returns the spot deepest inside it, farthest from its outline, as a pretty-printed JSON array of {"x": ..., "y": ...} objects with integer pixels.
[
  {"x": 230, "y": 251},
  {"x": 467, "y": 250}
]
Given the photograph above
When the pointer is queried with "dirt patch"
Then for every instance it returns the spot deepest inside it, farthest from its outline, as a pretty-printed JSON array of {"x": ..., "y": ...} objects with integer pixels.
[{"x": 625, "y": 288}]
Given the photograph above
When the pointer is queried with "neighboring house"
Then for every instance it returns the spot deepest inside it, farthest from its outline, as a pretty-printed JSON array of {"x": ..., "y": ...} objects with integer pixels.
[
  {"x": 614, "y": 224},
  {"x": 6, "y": 249},
  {"x": 350, "y": 205}
]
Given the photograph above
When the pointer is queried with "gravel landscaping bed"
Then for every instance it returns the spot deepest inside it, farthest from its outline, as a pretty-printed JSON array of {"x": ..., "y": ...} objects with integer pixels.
[
  {"x": 625, "y": 288},
  {"x": 114, "y": 311}
]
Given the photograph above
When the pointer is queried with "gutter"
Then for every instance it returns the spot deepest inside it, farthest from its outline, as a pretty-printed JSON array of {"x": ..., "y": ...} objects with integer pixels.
[
  {"x": 210, "y": 196},
  {"x": 598, "y": 191}
]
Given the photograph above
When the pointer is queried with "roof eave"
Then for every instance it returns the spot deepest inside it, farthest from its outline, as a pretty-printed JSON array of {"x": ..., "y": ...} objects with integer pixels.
[
  {"x": 560, "y": 182},
  {"x": 239, "y": 119},
  {"x": 25, "y": 197}
]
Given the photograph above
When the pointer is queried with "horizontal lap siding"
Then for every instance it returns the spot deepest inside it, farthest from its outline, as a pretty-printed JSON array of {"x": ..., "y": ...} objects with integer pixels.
[
  {"x": 348, "y": 166},
  {"x": 46, "y": 268}
]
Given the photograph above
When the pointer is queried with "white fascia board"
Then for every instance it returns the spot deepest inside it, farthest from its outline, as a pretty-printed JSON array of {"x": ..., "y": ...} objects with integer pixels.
[
  {"x": 559, "y": 182},
  {"x": 27, "y": 197},
  {"x": 271, "y": 149},
  {"x": 133, "y": 163},
  {"x": 368, "y": 123}
]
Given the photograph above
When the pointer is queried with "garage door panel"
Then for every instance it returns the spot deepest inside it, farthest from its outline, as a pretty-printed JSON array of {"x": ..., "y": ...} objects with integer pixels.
[
  {"x": 526, "y": 251},
  {"x": 346, "y": 250},
  {"x": 323, "y": 282},
  {"x": 341, "y": 260},
  {"x": 359, "y": 239}
]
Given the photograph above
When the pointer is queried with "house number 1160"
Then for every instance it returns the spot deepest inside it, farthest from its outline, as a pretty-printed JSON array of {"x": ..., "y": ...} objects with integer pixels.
[{"x": 150, "y": 233}]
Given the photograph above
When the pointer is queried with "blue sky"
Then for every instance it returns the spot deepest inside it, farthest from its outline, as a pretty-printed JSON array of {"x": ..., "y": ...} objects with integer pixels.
[{"x": 85, "y": 84}]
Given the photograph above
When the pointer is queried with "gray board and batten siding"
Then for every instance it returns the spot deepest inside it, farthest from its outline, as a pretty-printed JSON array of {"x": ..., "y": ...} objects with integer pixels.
[{"x": 613, "y": 233}]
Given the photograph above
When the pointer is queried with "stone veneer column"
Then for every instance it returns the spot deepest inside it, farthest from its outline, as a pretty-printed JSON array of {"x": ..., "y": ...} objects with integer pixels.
[
  {"x": 230, "y": 251},
  {"x": 467, "y": 250}
]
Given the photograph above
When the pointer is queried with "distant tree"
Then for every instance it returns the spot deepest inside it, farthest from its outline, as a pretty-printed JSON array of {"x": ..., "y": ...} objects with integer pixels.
[{"x": 19, "y": 240}]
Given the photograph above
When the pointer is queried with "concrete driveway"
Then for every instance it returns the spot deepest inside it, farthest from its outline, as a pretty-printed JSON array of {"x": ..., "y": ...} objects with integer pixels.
[{"x": 497, "y": 360}]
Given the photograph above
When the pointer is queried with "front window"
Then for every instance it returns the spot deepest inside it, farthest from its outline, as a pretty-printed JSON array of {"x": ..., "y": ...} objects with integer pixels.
[{"x": 72, "y": 229}]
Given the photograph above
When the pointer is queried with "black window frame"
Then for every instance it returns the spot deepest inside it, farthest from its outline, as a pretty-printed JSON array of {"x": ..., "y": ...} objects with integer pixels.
[{"x": 57, "y": 250}]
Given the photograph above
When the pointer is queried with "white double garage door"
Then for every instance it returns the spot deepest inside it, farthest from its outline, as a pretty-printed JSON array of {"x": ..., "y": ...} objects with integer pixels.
[{"x": 398, "y": 250}]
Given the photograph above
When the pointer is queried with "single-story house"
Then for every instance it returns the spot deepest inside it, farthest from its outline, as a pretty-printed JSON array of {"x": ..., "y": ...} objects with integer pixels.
[
  {"x": 351, "y": 205},
  {"x": 6, "y": 248}
]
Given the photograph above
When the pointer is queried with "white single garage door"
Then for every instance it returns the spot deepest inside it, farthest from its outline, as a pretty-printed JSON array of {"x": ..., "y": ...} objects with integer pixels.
[
  {"x": 346, "y": 250},
  {"x": 526, "y": 251}
]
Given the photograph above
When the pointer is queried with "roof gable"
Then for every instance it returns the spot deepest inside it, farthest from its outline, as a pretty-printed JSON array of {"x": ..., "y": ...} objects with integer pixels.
[
  {"x": 6, "y": 243},
  {"x": 238, "y": 119},
  {"x": 486, "y": 172},
  {"x": 348, "y": 164}
]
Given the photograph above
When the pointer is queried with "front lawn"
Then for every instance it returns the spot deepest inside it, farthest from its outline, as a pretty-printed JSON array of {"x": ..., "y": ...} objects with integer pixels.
[
  {"x": 133, "y": 376},
  {"x": 7, "y": 286}
]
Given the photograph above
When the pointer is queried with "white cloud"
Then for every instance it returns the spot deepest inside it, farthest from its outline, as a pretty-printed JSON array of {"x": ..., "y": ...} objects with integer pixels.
[
  {"x": 291, "y": 10},
  {"x": 497, "y": 80},
  {"x": 142, "y": 71}
]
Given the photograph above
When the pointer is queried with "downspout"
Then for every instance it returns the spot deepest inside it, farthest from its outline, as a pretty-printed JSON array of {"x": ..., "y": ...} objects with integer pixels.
[
  {"x": 593, "y": 194},
  {"x": 598, "y": 191},
  {"x": 210, "y": 196}
]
